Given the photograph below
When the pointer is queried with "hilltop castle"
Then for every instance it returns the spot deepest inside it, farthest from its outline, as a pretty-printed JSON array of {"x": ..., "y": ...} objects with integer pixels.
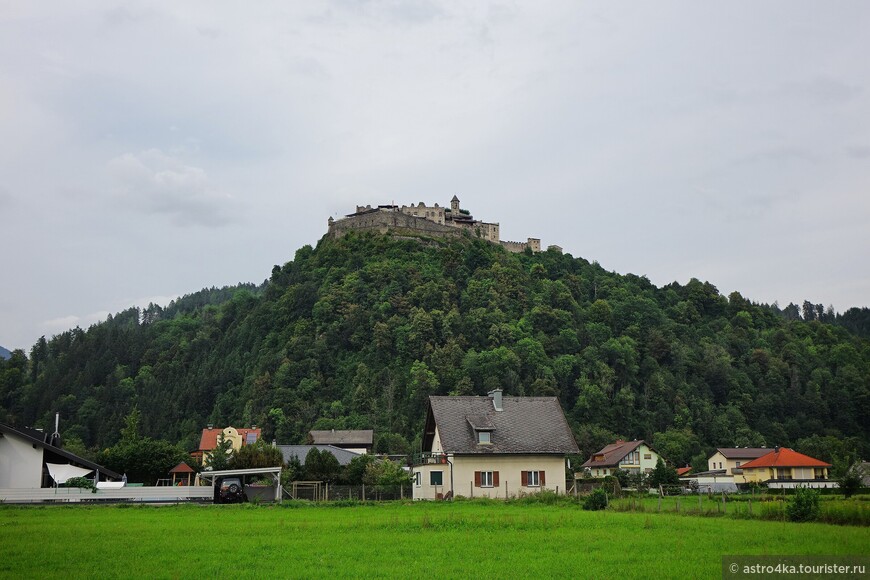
[{"x": 433, "y": 221}]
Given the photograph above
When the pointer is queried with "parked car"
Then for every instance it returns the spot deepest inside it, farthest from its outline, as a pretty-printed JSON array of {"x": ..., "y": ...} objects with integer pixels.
[{"x": 230, "y": 490}]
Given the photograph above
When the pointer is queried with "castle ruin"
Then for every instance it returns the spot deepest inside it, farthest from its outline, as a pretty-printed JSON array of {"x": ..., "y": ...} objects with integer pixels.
[{"x": 419, "y": 219}]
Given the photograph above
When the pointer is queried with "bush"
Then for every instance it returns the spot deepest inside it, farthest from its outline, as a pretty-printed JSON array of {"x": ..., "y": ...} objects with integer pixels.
[
  {"x": 597, "y": 500},
  {"x": 82, "y": 482},
  {"x": 850, "y": 483},
  {"x": 803, "y": 506}
]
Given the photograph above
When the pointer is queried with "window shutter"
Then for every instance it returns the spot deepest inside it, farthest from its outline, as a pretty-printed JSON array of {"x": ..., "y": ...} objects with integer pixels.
[
  {"x": 543, "y": 479},
  {"x": 495, "y": 478},
  {"x": 476, "y": 479},
  {"x": 524, "y": 476}
]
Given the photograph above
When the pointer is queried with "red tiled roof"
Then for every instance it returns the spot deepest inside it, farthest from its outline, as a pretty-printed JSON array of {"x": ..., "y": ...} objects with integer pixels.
[
  {"x": 182, "y": 468},
  {"x": 785, "y": 457},
  {"x": 681, "y": 471},
  {"x": 209, "y": 438}
]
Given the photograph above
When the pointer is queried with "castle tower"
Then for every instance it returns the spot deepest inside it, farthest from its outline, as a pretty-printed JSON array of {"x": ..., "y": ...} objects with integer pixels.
[{"x": 454, "y": 205}]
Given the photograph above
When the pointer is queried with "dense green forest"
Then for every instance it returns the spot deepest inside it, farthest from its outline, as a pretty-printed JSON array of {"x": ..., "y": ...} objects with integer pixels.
[{"x": 359, "y": 331}]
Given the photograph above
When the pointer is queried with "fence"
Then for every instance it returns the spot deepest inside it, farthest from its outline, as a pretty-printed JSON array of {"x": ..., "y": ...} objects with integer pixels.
[
  {"x": 318, "y": 491},
  {"x": 145, "y": 494}
]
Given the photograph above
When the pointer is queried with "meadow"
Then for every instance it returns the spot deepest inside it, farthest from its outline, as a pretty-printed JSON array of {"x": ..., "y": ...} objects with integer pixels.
[{"x": 454, "y": 540}]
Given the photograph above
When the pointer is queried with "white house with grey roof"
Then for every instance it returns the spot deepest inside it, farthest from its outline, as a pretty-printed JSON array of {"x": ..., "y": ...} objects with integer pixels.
[{"x": 494, "y": 446}]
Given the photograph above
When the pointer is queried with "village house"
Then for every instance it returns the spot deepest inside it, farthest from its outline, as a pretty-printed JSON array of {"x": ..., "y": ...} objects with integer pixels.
[
  {"x": 34, "y": 459},
  {"x": 494, "y": 446},
  {"x": 236, "y": 436},
  {"x": 732, "y": 460},
  {"x": 357, "y": 441},
  {"x": 786, "y": 468},
  {"x": 635, "y": 457}
]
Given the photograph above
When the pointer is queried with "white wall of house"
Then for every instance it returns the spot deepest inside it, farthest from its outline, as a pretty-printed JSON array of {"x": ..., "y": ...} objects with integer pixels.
[
  {"x": 718, "y": 461},
  {"x": 642, "y": 459},
  {"x": 20, "y": 463},
  {"x": 509, "y": 468}
]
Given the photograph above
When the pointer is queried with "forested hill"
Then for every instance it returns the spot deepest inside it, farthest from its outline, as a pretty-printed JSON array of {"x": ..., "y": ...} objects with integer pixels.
[
  {"x": 5, "y": 353},
  {"x": 359, "y": 331}
]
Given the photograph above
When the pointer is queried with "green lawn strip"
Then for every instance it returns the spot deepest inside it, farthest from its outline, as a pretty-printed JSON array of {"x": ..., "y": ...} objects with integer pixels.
[{"x": 391, "y": 540}]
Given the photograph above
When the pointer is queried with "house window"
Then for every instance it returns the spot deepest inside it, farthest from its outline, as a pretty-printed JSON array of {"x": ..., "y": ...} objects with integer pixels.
[
  {"x": 819, "y": 473},
  {"x": 484, "y": 437},
  {"x": 532, "y": 478},
  {"x": 738, "y": 464},
  {"x": 484, "y": 478},
  {"x": 647, "y": 456},
  {"x": 417, "y": 478},
  {"x": 436, "y": 478}
]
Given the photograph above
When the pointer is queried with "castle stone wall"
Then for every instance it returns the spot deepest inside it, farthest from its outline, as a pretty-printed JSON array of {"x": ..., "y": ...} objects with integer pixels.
[
  {"x": 434, "y": 213},
  {"x": 434, "y": 221},
  {"x": 533, "y": 244},
  {"x": 384, "y": 221}
]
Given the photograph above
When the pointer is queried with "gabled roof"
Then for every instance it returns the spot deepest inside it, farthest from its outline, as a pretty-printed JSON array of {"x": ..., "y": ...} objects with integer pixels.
[
  {"x": 182, "y": 468},
  {"x": 340, "y": 437},
  {"x": 209, "y": 438},
  {"x": 614, "y": 453},
  {"x": 743, "y": 452},
  {"x": 681, "y": 471},
  {"x": 57, "y": 451},
  {"x": 784, "y": 457},
  {"x": 301, "y": 452},
  {"x": 534, "y": 425}
]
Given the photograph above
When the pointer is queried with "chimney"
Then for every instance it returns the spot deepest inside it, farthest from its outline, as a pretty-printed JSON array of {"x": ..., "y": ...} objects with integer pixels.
[
  {"x": 495, "y": 395},
  {"x": 210, "y": 426},
  {"x": 776, "y": 449}
]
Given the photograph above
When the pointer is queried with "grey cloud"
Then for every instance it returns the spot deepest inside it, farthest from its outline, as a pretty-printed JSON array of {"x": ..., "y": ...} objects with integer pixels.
[
  {"x": 159, "y": 184},
  {"x": 819, "y": 91},
  {"x": 858, "y": 151}
]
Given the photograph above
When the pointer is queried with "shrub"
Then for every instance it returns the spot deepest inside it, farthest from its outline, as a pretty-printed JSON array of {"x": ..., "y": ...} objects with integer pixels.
[
  {"x": 597, "y": 500},
  {"x": 850, "y": 483},
  {"x": 82, "y": 482},
  {"x": 803, "y": 506}
]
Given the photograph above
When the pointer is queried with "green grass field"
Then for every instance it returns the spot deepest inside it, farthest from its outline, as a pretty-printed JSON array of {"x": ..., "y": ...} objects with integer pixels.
[{"x": 458, "y": 540}]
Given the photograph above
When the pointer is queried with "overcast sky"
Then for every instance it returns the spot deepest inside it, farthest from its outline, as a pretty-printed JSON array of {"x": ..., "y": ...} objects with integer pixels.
[{"x": 152, "y": 150}]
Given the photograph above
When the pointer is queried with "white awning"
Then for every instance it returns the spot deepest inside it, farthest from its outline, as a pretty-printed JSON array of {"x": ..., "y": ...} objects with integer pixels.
[{"x": 61, "y": 472}]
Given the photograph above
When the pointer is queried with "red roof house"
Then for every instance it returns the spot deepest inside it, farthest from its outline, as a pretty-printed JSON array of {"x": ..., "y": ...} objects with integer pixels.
[{"x": 784, "y": 467}]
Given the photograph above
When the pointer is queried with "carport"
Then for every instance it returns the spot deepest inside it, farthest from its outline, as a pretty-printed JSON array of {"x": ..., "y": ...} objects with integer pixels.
[{"x": 273, "y": 471}]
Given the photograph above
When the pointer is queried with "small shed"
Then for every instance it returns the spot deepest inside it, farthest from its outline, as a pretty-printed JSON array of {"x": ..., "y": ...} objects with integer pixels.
[{"x": 182, "y": 474}]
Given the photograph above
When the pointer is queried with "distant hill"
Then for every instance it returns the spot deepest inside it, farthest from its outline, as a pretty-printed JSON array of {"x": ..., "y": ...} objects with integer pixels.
[
  {"x": 358, "y": 332},
  {"x": 5, "y": 353}
]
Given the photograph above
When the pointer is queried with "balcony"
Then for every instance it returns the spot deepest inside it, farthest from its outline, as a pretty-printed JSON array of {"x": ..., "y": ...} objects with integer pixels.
[{"x": 429, "y": 459}]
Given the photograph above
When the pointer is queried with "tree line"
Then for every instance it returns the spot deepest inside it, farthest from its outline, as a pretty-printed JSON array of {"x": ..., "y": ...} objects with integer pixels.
[{"x": 358, "y": 332}]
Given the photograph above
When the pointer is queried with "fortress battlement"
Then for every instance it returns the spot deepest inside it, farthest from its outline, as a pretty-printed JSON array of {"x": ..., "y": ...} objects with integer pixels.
[{"x": 432, "y": 220}]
